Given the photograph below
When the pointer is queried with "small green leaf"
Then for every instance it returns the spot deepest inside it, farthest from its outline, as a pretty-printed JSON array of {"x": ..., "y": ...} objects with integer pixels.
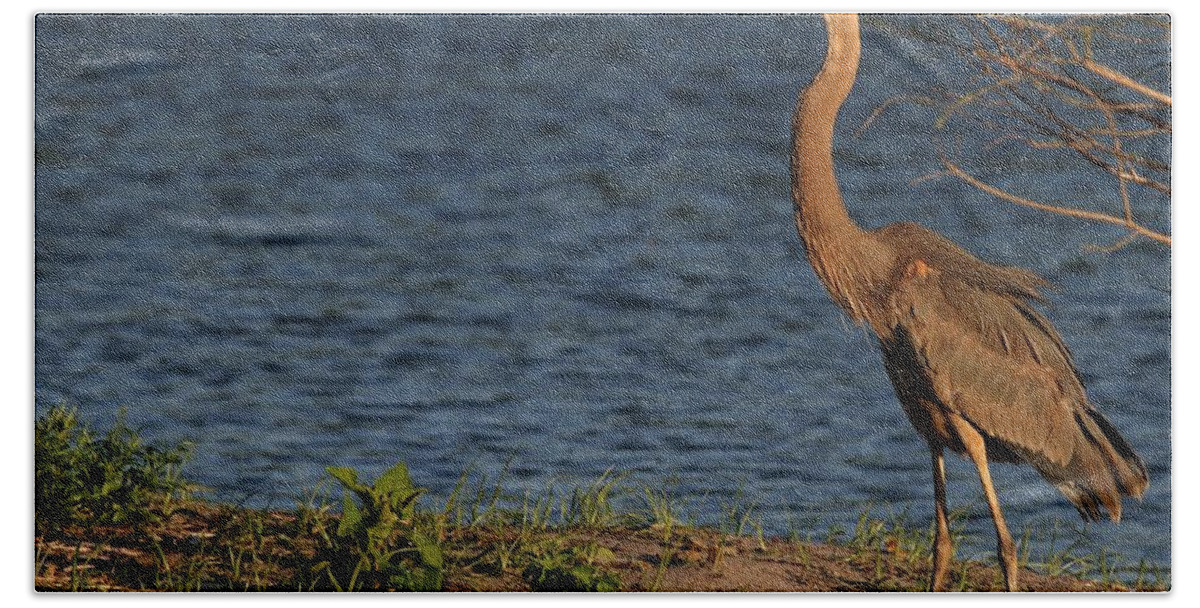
[
  {"x": 352, "y": 519},
  {"x": 428, "y": 549},
  {"x": 396, "y": 485},
  {"x": 347, "y": 476},
  {"x": 395, "y": 480}
]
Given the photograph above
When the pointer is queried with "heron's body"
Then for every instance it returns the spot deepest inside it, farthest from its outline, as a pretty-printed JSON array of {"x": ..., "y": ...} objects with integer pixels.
[{"x": 977, "y": 369}]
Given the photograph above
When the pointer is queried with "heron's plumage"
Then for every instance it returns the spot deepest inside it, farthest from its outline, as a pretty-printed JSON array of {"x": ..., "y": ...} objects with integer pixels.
[{"x": 963, "y": 338}]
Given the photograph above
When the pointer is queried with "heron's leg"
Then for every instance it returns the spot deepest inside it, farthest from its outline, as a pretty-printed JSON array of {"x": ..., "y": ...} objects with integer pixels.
[
  {"x": 943, "y": 546},
  {"x": 977, "y": 451}
]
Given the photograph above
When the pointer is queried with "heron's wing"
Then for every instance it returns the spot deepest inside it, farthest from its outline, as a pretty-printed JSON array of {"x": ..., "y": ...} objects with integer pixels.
[
  {"x": 991, "y": 358},
  {"x": 965, "y": 336}
]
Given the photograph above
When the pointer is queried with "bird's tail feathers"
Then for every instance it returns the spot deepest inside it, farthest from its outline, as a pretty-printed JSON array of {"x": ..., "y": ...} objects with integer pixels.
[{"x": 1103, "y": 469}]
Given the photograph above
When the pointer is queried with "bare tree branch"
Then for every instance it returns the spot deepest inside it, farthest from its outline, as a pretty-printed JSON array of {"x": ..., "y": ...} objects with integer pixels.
[
  {"x": 1040, "y": 84},
  {"x": 1084, "y": 214}
]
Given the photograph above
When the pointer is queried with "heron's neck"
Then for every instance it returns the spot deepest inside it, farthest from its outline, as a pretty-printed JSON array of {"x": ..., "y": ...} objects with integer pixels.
[{"x": 842, "y": 254}]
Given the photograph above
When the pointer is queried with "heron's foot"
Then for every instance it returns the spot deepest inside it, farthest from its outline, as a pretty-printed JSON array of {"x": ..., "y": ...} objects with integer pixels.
[
  {"x": 1010, "y": 582},
  {"x": 1008, "y": 564},
  {"x": 943, "y": 552},
  {"x": 939, "y": 582},
  {"x": 943, "y": 546}
]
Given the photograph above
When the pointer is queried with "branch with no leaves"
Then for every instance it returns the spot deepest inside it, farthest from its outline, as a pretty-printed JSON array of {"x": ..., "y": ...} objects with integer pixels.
[
  {"x": 1125, "y": 222},
  {"x": 1040, "y": 84}
]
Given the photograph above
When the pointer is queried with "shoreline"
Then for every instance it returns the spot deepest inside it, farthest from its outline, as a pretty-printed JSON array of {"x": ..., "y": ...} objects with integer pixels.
[{"x": 201, "y": 546}]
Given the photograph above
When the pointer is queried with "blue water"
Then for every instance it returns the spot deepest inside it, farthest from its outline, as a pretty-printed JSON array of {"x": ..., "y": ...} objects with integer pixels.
[{"x": 561, "y": 241}]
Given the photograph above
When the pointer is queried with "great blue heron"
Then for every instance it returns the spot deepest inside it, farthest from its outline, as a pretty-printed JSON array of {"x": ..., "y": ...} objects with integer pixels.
[{"x": 976, "y": 368}]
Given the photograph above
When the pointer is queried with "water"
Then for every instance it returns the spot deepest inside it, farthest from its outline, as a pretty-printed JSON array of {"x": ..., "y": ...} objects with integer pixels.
[{"x": 456, "y": 241}]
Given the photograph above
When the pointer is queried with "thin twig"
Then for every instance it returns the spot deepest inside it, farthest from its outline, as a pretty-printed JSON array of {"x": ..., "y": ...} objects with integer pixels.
[
  {"x": 1124, "y": 242},
  {"x": 891, "y": 101},
  {"x": 1067, "y": 211},
  {"x": 1106, "y": 72}
]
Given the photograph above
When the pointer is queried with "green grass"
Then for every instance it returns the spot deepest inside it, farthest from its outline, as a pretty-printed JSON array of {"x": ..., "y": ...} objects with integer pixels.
[
  {"x": 1059, "y": 550},
  {"x": 96, "y": 490},
  {"x": 82, "y": 478}
]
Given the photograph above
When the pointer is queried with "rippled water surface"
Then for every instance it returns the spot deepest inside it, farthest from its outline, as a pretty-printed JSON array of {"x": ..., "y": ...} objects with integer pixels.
[{"x": 568, "y": 242}]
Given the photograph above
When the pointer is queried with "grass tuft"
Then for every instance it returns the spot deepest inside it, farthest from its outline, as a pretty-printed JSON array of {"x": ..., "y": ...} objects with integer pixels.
[{"x": 85, "y": 479}]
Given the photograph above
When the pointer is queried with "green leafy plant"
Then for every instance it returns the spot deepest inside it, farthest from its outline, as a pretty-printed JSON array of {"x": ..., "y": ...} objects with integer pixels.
[
  {"x": 84, "y": 479},
  {"x": 392, "y": 548},
  {"x": 555, "y": 568}
]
